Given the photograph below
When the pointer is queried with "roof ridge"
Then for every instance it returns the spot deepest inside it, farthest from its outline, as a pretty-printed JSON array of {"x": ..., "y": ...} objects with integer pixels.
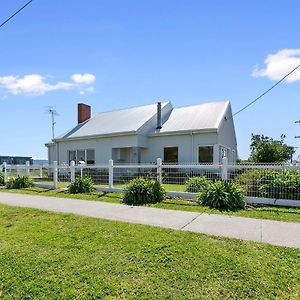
[
  {"x": 211, "y": 102},
  {"x": 131, "y": 107}
]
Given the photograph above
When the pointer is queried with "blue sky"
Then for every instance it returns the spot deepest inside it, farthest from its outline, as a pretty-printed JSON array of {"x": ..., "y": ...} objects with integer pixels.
[{"x": 114, "y": 54}]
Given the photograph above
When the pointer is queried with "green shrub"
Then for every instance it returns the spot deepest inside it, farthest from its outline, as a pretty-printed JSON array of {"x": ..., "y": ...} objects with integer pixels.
[
  {"x": 222, "y": 195},
  {"x": 283, "y": 184},
  {"x": 1, "y": 179},
  {"x": 141, "y": 191},
  {"x": 196, "y": 184},
  {"x": 278, "y": 184},
  {"x": 81, "y": 185},
  {"x": 252, "y": 180},
  {"x": 19, "y": 182}
]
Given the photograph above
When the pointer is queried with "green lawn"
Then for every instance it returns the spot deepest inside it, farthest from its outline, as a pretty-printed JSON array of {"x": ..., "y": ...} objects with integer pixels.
[
  {"x": 168, "y": 187},
  {"x": 45, "y": 255},
  {"x": 273, "y": 213}
]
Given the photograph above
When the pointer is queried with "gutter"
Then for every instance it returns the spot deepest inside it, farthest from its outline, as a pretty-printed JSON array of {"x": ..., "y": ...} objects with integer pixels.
[
  {"x": 184, "y": 132},
  {"x": 95, "y": 136}
]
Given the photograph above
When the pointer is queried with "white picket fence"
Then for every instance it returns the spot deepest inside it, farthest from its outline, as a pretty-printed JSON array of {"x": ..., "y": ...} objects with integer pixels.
[{"x": 112, "y": 177}]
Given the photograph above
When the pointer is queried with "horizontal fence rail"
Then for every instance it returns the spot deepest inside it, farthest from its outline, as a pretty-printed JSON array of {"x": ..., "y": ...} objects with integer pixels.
[{"x": 269, "y": 184}]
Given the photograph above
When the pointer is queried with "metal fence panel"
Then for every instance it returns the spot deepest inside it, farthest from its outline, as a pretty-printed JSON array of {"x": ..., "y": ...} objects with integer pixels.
[{"x": 257, "y": 180}]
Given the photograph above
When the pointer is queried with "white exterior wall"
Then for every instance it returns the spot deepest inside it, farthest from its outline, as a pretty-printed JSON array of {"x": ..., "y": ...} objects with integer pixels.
[
  {"x": 152, "y": 147},
  {"x": 227, "y": 137},
  {"x": 103, "y": 147},
  {"x": 187, "y": 144},
  {"x": 51, "y": 153}
]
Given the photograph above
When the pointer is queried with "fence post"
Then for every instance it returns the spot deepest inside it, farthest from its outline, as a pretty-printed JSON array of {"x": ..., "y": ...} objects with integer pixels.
[
  {"x": 224, "y": 168},
  {"x": 72, "y": 170},
  {"x": 55, "y": 174},
  {"x": 159, "y": 170},
  {"x": 111, "y": 173},
  {"x": 27, "y": 168},
  {"x": 4, "y": 171},
  {"x": 41, "y": 171}
]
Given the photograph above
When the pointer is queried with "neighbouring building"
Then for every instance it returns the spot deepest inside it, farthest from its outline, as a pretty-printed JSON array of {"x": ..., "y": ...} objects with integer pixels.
[
  {"x": 15, "y": 160},
  {"x": 202, "y": 133}
]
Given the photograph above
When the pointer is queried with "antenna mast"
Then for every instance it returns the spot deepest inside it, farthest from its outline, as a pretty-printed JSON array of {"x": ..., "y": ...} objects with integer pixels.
[
  {"x": 51, "y": 110},
  {"x": 297, "y": 136}
]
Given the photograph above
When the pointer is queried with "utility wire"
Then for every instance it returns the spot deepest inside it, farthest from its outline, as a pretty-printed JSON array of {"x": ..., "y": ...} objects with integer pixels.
[
  {"x": 267, "y": 91},
  {"x": 15, "y": 13}
]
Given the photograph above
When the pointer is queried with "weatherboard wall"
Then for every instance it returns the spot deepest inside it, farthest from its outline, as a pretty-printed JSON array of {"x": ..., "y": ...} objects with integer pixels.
[
  {"x": 151, "y": 147},
  {"x": 227, "y": 137},
  {"x": 188, "y": 145}
]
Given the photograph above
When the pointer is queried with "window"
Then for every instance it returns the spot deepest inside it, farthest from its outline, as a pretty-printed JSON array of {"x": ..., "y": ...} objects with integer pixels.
[
  {"x": 81, "y": 156},
  {"x": 87, "y": 156},
  {"x": 72, "y": 156},
  {"x": 206, "y": 154},
  {"x": 90, "y": 156},
  {"x": 223, "y": 152},
  {"x": 171, "y": 154}
]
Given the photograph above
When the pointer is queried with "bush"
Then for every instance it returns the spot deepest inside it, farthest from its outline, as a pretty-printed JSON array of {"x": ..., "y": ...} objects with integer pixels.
[
  {"x": 222, "y": 195},
  {"x": 196, "y": 184},
  {"x": 19, "y": 182},
  {"x": 141, "y": 191},
  {"x": 278, "y": 184},
  {"x": 284, "y": 184},
  {"x": 81, "y": 185},
  {"x": 251, "y": 181},
  {"x": 1, "y": 179}
]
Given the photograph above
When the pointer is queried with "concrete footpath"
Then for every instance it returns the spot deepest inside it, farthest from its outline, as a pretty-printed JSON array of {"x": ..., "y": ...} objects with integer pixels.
[{"x": 258, "y": 230}]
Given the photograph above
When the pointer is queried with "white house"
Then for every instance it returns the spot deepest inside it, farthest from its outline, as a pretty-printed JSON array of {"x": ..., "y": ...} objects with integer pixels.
[{"x": 201, "y": 133}]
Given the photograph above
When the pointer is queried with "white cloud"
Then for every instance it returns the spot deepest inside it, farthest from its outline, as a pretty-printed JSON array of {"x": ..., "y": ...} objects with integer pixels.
[
  {"x": 35, "y": 84},
  {"x": 87, "y": 90},
  {"x": 83, "y": 78},
  {"x": 279, "y": 64}
]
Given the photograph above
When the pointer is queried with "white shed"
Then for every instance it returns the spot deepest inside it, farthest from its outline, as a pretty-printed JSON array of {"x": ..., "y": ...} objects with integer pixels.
[{"x": 202, "y": 133}]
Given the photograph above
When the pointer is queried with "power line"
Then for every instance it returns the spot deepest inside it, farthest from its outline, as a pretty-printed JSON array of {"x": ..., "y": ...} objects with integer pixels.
[
  {"x": 267, "y": 91},
  {"x": 15, "y": 13}
]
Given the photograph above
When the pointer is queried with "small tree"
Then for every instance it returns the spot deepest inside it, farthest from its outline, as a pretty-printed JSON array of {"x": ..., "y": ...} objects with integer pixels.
[{"x": 268, "y": 150}]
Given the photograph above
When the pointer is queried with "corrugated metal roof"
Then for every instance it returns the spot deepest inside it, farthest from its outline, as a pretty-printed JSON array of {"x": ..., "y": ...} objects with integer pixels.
[
  {"x": 114, "y": 122},
  {"x": 189, "y": 118},
  {"x": 196, "y": 117}
]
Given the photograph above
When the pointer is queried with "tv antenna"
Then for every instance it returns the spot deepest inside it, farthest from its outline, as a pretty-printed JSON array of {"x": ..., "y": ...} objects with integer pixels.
[
  {"x": 51, "y": 111},
  {"x": 297, "y": 136}
]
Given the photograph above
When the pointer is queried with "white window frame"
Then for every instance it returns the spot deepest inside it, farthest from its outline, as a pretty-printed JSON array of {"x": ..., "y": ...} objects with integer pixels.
[
  {"x": 85, "y": 155},
  {"x": 220, "y": 152}
]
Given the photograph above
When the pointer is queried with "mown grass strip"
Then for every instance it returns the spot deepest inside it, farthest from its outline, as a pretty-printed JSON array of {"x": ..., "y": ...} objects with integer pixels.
[{"x": 45, "y": 255}]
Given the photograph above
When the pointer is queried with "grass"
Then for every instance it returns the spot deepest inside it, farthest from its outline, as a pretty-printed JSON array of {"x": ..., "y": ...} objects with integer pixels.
[
  {"x": 45, "y": 255},
  {"x": 267, "y": 212},
  {"x": 168, "y": 187},
  {"x": 174, "y": 187}
]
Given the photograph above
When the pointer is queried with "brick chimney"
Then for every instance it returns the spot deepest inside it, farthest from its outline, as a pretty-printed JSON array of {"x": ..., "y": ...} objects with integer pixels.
[{"x": 84, "y": 112}]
